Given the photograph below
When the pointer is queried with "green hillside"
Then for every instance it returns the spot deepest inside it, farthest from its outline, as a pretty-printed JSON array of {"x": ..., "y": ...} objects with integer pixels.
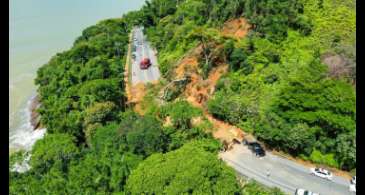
[{"x": 281, "y": 85}]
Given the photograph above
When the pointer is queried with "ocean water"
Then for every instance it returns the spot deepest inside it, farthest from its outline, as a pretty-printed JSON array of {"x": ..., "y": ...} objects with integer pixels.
[{"x": 38, "y": 29}]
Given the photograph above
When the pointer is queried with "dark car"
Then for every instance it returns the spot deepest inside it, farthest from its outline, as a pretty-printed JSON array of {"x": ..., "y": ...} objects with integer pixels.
[{"x": 256, "y": 148}]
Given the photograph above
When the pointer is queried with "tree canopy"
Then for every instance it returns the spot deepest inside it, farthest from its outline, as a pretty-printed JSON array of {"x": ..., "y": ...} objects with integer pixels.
[
  {"x": 280, "y": 86},
  {"x": 190, "y": 169}
]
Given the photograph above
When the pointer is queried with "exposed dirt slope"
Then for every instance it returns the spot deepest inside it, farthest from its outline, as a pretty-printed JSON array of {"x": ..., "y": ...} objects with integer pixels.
[
  {"x": 137, "y": 92},
  {"x": 199, "y": 90},
  {"x": 188, "y": 64},
  {"x": 236, "y": 28}
]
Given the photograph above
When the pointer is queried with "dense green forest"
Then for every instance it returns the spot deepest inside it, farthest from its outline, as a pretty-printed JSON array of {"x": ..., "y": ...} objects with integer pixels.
[
  {"x": 278, "y": 87},
  {"x": 281, "y": 90}
]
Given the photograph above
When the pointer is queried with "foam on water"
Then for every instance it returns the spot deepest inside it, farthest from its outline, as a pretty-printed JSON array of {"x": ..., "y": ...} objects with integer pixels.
[{"x": 25, "y": 136}]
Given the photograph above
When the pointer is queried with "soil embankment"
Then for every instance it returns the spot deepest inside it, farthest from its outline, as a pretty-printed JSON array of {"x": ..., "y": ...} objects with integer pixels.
[
  {"x": 199, "y": 90},
  {"x": 236, "y": 28}
]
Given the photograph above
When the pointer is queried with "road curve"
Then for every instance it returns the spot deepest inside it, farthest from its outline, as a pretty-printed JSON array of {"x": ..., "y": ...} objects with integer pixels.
[
  {"x": 284, "y": 174},
  {"x": 143, "y": 50}
]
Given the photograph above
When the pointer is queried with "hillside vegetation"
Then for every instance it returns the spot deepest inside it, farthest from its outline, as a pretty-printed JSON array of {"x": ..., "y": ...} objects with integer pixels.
[
  {"x": 290, "y": 80},
  {"x": 281, "y": 85}
]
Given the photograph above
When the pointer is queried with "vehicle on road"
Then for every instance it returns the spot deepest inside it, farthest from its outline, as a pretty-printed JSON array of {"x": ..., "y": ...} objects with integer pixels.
[
  {"x": 320, "y": 172},
  {"x": 256, "y": 148},
  {"x": 352, "y": 188},
  {"x": 134, "y": 56},
  {"x": 145, "y": 63},
  {"x": 300, "y": 191},
  {"x": 353, "y": 180}
]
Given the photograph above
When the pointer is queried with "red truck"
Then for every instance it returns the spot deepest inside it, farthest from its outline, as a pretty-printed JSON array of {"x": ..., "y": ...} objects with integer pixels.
[{"x": 145, "y": 63}]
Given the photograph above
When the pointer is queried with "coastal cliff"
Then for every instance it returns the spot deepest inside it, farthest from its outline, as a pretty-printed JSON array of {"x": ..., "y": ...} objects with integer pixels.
[{"x": 35, "y": 116}]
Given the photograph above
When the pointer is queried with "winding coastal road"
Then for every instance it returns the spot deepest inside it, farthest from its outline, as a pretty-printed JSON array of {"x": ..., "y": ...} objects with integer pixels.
[
  {"x": 284, "y": 174},
  {"x": 143, "y": 49}
]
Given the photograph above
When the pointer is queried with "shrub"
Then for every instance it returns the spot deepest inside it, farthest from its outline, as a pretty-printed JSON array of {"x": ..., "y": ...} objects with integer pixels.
[{"x": 326, "y": 159}]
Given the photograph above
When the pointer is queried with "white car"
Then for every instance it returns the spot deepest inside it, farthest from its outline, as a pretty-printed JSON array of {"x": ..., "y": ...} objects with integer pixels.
[
  {"x": 353, "y": 180},
  {"x": 323, "y": 173},
  {"x": 304, "y": 192},
  {"x": 352, "y": 187}
]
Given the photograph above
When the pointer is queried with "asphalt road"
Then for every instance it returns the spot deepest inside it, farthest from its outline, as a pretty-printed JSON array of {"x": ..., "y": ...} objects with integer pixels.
[
  {"x": 143, "y": 50},
  {"x": 284, "y": 174}
]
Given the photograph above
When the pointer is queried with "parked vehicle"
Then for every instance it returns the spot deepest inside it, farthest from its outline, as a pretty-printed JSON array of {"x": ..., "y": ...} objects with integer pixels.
[
  {"x": 304, "y": 192},
  {"x": 353, "y": 180},
  {"x": 352, "y": 188},
  {"x": 320, "y": 172},
  {"x": 145, "y": 63},
  {"x": 256, "y": 148}
]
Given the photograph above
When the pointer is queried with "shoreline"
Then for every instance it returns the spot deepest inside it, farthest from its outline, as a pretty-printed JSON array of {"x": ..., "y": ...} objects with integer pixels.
[
  {"x": 30, "y": 130},
  {"x": 34, "y": 115}
]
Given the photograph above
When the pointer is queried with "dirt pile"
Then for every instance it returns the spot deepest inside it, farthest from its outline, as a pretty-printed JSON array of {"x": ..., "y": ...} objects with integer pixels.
[
  {"x": 225, "y": 131},
  {"x": 135, "y": 97},
  {"x": 199, "y": 90},
  {"x": 189, "y": 64},
  {"x": 236, "y": 28}
]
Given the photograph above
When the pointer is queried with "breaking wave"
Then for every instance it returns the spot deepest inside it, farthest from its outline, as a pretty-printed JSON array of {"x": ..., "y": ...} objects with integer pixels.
[{"x": 24, "y": 136}]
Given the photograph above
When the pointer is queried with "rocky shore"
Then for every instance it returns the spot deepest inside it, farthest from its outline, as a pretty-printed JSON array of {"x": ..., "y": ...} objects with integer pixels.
[{"x": 35, "y": 116}]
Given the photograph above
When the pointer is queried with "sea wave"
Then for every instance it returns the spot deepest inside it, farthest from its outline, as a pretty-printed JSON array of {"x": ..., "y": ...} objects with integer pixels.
[{"x": 25, "y": 136}]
